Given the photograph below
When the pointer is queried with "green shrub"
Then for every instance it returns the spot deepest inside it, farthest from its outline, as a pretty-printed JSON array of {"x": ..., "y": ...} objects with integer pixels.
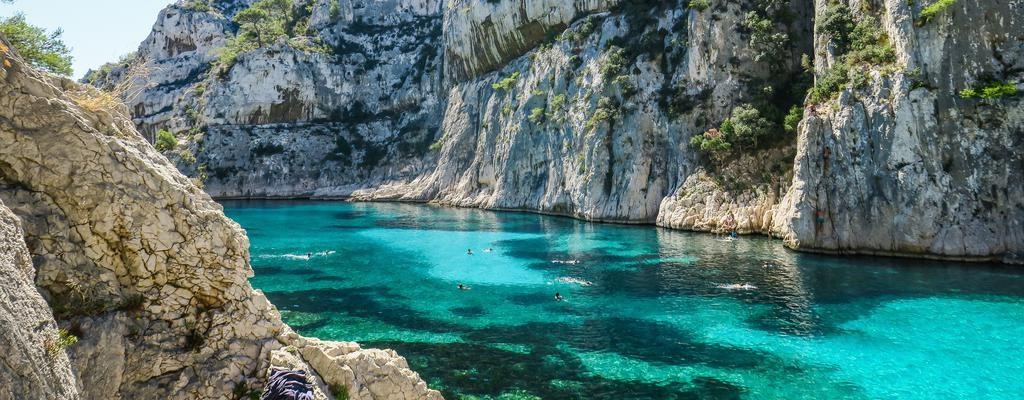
[
  {"x": 437, "y": 146},
  {"x": 506, "y": 83},
  {"x": 859, "y": 46},
  {"x": 793, "y": 118},
  {"x": 165, "y": 140},
  {"x": 606, "y": 111},
  {"x": 768, "y": 43},
  {"x": 56, "y": 345},
  {"x": 933, "y": 10},
  {"x": 335, "y": 10},
  {"x": 712, "y": 141},
  {"x": 990, "y": 90},
  {"x": 837, "y": 23},
  {"x": 263, "y": 23},
  {"x": 41, "y": 49},
  {"x": 537, "y": 115},
  {"x": 700, "y": 5},
  {"x": 197, "y": 5},
  {"x": 749, "y": 126},
  {"x": 557, "y": 102},
  {"x": 615, "y": 63}
]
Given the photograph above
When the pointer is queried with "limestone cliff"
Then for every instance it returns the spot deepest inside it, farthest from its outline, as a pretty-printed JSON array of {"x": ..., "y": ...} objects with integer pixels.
[
  {"x": 908, "y": 164},
  {"x": 137, "y": 263},
  {"x": 588, "y": 108}
]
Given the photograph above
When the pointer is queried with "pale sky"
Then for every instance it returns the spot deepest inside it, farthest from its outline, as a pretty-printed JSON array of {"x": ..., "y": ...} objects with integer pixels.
[{"x": 98, "y": 31}]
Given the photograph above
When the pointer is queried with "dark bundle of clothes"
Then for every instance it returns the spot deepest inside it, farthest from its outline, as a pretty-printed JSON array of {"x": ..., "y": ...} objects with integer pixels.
[{"x": 287, "y": 385}]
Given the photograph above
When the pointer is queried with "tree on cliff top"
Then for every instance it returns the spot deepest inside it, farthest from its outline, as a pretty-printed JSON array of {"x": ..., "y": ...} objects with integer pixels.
[
  {"x": 264, "y": 21},
  {"x": 43, "y": 50}
]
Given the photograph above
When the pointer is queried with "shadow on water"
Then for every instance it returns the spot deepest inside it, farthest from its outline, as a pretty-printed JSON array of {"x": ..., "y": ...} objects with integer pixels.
[
  {"x": 790, "y": 295},
  {"x": 464, "y": 368}
]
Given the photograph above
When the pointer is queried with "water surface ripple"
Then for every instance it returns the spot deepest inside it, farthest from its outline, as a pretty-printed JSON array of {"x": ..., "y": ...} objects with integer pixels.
[{"x": 648, "y": 313}]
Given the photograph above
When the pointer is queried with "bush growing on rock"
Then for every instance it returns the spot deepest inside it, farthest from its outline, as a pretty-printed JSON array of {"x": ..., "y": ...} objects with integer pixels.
[
  {"x": 506, "y": 83},
  {"x": 793, "y": 119},
  {"x": 990, "y": 90},
  {"x": 859, "y": 47},
  {"x": 747, "y": 128},
  {"x": 537, "y": 115},
  {"x": 263, "y": 23},
  {"x": 933, "y": 10},
  {"x": 700, "y": 5},
  {"x": 63, "y": 340},
  {"x": 165, "y": 140}
]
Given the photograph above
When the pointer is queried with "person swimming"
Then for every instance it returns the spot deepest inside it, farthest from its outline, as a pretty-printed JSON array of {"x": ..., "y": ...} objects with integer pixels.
[
  {"x": 463, "y": 287},
  {"x": 469, "y": 252},
  {"x": 309, "y": 255},
  {"x": 558, "y": 297},
  {"x": 488, "y": 250}
]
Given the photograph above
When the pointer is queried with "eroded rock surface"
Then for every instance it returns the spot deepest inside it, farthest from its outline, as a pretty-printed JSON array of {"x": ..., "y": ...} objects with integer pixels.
[
  {"x": 906, "y": 165},
  {"x": 32, "y": 365},
  {"x": 135, "y": 260}
]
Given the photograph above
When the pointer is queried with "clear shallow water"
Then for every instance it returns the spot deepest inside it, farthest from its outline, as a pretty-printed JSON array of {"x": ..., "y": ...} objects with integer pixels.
[{"x": 660, "y": 320}]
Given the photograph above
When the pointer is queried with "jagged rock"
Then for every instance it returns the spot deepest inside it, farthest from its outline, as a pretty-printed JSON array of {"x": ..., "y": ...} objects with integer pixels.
[
  {"x": 367, "y": 374},
  {"x": 134, "y": 258},
  {"x": 905, "y": 166},
  {"x": 32, "y": 365}
]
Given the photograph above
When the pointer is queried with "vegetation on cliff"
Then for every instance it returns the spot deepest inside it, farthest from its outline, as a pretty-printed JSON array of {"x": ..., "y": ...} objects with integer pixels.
[{"x": 44, "y": 50}]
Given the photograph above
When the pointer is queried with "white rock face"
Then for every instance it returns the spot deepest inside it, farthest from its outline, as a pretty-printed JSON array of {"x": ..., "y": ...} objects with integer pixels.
[
  {"x": 33, "y": 366},
  {"x": 483, "y": 35},
  {"x": 911, "y": 167},
  {"x": 403, "y": 108},
  {"x": 135, "y": 260}
]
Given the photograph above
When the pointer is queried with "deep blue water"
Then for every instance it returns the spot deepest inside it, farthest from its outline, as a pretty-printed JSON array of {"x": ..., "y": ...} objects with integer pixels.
[{"x": 667, "y": 314}]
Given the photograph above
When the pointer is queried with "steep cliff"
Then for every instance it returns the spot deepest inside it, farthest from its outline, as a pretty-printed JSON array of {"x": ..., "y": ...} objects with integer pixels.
[
  {"x": 598, "y": 109},
  {"x": 137, "y": 263},
  {"x": 910, "y": 162}
]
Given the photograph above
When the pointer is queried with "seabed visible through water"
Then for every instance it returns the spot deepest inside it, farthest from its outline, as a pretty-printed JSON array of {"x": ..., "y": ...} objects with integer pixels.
[{"x": 649, "y": 313}]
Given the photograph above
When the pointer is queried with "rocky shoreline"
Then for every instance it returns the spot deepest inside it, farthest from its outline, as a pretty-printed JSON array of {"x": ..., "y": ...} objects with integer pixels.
[{"x": 139, "y": 266}]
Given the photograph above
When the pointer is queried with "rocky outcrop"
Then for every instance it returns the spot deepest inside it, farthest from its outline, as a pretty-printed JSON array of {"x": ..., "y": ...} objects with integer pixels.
[
  {"x": 136, "y": 261},
  {"x": 34, "y": 364},
  {"x": 908, "y": 166}
]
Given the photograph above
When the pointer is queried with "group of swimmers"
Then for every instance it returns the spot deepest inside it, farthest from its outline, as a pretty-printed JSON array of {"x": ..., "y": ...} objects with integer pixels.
[{"x": 558, "y": 296}]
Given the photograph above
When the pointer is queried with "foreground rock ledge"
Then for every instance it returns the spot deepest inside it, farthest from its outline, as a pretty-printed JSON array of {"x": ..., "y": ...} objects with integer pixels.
[{"x": 140, "y": 264}]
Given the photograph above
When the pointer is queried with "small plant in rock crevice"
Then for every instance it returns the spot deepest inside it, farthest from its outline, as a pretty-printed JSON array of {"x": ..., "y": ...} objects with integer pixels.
[{"x": 55, "y": 345}]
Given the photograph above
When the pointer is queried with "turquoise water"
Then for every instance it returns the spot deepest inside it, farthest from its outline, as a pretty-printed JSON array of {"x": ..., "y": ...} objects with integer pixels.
[{"x": 667, "y": 314}]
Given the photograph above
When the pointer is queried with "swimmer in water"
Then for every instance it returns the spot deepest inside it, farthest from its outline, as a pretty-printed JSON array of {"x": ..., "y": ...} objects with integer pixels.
[
  {"x": 463, "y": 287},
  {"x": 558, "y": 297},
  {"x": 488, "y": 250},
  {"x": 469, "y": 252}
]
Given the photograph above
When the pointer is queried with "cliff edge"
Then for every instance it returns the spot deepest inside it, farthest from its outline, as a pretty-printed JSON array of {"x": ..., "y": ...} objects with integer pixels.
[{"x": 139, "y": 265}]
